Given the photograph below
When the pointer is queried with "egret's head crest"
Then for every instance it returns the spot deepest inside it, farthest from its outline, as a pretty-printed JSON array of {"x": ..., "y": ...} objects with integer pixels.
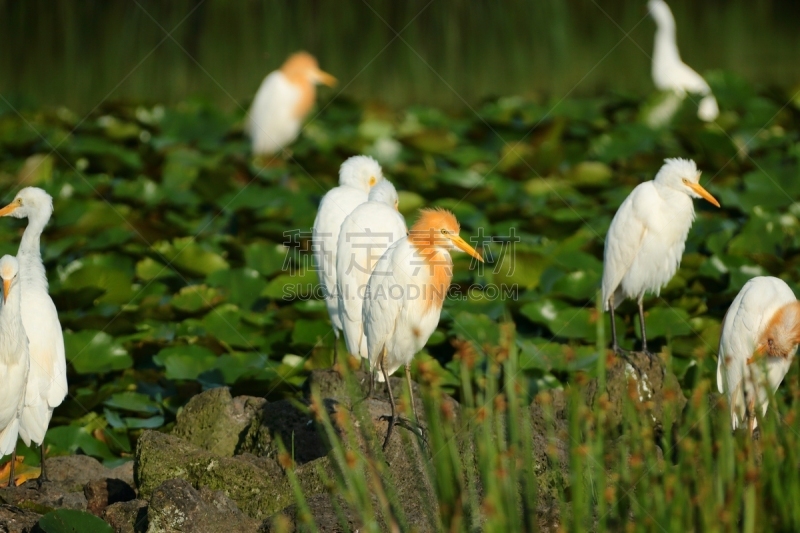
[
  {"x": 361, "y": 172},
  {"x": 9, "y": 267},
  {"x": 385, "y": 193}
]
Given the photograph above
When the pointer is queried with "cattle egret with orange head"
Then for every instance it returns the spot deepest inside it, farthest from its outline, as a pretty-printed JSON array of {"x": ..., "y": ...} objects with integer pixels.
[
  {"x": 647, "y": 236},
  {"x": 760, "y": 334},
  {"x": 405, "y": 295},
  {"x": 283, "y": 101}
]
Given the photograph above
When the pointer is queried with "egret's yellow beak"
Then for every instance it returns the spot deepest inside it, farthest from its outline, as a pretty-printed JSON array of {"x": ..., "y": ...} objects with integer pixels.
[
  {"x": 10, "y": 208},
  {"x": 324, "y": 77},
  {"x": 6, "y": 288},
  {"x": 462, "y": 245},
  {"x": 696, "y": 187}
]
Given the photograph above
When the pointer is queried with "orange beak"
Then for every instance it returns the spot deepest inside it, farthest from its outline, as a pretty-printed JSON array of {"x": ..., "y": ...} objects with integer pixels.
[
  {"x": 324, "y": 77},
  {"x": 6, "y": 288},
  {"x": 10, "y": 208},
  {"x": 462, "y": 245},
  {"x": 696, "y": 187}
]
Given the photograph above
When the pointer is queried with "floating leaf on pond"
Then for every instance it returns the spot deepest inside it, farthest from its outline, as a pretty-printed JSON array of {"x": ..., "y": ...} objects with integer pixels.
[
  {"x": 196, "y": 298},
  {"x": 191, "y": 256},
  {"x": 185, "y": 362},
  {"x": 95, "y": 352},
  {"x": 72, "y": 521}
]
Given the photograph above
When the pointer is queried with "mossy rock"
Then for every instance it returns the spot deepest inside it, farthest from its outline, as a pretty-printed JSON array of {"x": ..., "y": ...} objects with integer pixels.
[
  {"x": 258, "y": 492},
  {"x": 216, "y": 422}
]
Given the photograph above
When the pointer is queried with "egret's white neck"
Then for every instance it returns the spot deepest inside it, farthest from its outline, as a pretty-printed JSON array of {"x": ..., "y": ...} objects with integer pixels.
[
  {"x": 665, "y": 52},
  {"x": 29, "y": 254}
]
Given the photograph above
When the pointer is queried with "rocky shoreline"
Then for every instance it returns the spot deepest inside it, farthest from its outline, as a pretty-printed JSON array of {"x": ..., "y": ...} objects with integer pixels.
[{"x": 222, "y": 469}]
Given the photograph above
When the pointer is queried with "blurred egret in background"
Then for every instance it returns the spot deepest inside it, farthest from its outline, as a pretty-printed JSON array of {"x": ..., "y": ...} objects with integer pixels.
[
  {"x": 283, "y": 101},
  {"x": 760, "y": 333},
  {"x": 14, "y": 360},
  {"x": 357, "y": 176},
  {"x": 670, "y": 73},
  {"x": 365, "y": 235},
  {"x": 47, "y": 381},
  {"x": 645, "y": 241},
  {"x": 406, "y": 291}
]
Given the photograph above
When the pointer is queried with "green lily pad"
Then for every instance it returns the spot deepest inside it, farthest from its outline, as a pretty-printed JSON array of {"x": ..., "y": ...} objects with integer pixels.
[
  {"x": 241, "y": 286},
  {"x": 72, "y": 521},
  {"x": 95, "y": 352},
  {"x": 187, "y": 254},
  {"x": 196, "y": 298},
  {"x": 185, "y": 362},
  {"x": 133, "y": 401}
]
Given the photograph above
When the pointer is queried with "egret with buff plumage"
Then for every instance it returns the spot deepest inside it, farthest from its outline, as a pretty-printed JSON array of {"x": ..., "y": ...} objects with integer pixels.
[{"x": 405, "y": 295}]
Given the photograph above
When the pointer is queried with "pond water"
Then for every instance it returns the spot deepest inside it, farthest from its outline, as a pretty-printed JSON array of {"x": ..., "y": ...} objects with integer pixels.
[{"x": 438, "y": 52}]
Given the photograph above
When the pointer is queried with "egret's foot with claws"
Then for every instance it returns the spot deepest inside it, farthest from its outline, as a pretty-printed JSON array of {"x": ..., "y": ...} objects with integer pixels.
[{"x": 411, "y": 426}]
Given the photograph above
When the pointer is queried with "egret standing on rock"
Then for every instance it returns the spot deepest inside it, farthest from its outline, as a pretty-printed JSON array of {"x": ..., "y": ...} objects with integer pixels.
[
  {"x": 283, "y": 101},
  {"x": 47, "y": 382},
  {"x": 357, "y": 176},
  {"x": 14, "y": 360},
  {"x": 365, "y": 235},
  {"x": 645, "y": 241},
  {"x": 760, "y": 334},
  {"x": 406, "y": 291},
  {"x": 672, "y": 74}
]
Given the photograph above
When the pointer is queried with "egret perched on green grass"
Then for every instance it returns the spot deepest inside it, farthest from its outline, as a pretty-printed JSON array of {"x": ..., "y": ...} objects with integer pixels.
[
  {"x": 283, "y": 101},
  {"x": 14, "y": 360},
  {"x": 47, "y": 382},
  {"x": 760, "y": 333},
  {"x": 365, "y": 235},
  {"x": 357, "y": 176},
  {"x": 645, "y": 241},
  {"x": 405, "y": 295},
  {"x": 670, "y": 73}
]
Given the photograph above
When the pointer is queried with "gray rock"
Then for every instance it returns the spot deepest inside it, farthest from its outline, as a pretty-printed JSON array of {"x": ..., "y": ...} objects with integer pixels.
[
  {"x": 215, "y": 421},
  {"x": 644, "y": 379},
  {"x": 50, "y": 496},
  {"x": 323, "y": 512},
  {"x": 100, "y": 493},
  {"x": 257, "y": 491},
  {"x": 16, "y": 520},
  {"x": 72, "y": 472},
  {"x": 177, "y": 507},
  {"x": 127, "y": 517},
  {"x": 288, "y": 421}
]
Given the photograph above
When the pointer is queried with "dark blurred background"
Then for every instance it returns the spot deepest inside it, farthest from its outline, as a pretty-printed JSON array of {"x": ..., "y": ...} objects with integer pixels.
[{"x": 81, "y": 52}]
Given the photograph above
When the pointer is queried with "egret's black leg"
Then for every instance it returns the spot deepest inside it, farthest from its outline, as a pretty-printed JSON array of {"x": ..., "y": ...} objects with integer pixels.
[
  {"x": 411, "y": 393},
  {"x": 335, "y": 347},
  {"x": 641, "y": 323},
  {"x": 11, "y": 468},
  {"x": 393, "y": 416},
  {"x": 43, "y": 474}
]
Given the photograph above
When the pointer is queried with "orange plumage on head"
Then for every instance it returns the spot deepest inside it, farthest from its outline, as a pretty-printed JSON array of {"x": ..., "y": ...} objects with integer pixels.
[
  {"x": 782, "y": 333},
  {"x": 297, "y": 68},
  {"x": 426, "y": 236}
]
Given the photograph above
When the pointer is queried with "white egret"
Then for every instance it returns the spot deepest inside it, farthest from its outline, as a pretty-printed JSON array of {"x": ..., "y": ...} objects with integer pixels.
[
  {"x": 357, "y": 176},
  {"x": 645, "y": 241},
  {"x": 670, "y": 73},
  {"x": 14, "y": 360},
  {"x": 405, "y": 295},
  {"x": 760, "y": 333},
  {"x": 47, "y": 382},
  {"x": 364, "y": 236},
  {"x": 283, "y": 101}
]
